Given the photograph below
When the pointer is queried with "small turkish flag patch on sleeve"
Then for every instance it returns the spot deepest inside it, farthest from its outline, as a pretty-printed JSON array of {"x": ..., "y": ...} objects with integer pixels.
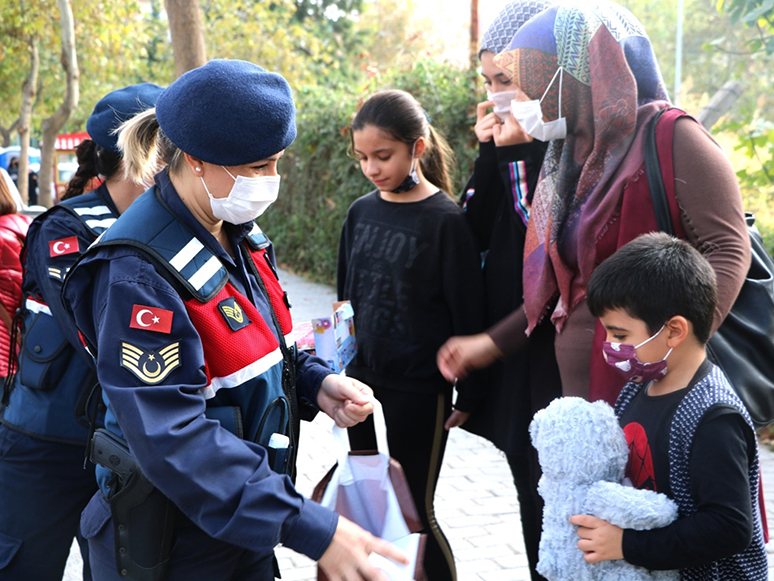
[
  {"x": 151, "y": 319},
  {"x": 63, "y": 246}
]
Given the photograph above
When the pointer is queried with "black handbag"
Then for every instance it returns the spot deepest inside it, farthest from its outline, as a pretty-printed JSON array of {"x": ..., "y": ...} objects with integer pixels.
[{"x": 743, "y": 346}]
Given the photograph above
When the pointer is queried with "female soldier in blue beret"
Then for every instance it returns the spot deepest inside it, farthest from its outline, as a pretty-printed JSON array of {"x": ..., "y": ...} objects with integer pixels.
[
  {"x": 43, "y": 483},
  {"x": 180, "y": 304}
]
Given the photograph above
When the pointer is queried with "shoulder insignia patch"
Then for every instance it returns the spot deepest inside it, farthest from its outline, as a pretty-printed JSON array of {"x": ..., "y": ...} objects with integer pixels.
[
  {"x": 63, "y": 246},
  {"x": 150, "y": 367},
  {"x": 233, "y": 313},
  {"x": 57, "y": 273}
]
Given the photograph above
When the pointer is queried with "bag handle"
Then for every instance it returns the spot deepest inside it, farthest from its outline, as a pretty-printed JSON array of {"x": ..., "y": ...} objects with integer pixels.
[
  {"x": 655, "y": 178},
  {"x": 380, "y": 428}
]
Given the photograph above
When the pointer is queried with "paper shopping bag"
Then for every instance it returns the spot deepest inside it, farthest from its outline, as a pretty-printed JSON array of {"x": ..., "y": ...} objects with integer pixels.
[{"x": 370, "y": 489}]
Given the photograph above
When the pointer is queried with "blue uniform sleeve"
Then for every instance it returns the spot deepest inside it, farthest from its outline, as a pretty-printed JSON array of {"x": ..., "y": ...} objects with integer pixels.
[
  {"x": 310, "y": 372},
  {"x": 222, "y": 483}
]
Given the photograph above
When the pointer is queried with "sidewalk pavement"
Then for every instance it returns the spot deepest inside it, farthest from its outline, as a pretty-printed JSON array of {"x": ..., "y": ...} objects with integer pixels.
[{"x": 475, "y": 502}]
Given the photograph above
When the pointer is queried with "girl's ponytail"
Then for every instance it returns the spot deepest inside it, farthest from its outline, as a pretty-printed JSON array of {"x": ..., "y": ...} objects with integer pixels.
[{"x": 438, "y": 161}]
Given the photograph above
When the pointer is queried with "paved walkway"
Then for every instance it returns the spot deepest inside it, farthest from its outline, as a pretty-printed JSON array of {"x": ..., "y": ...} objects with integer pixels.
[{"x": 475, "y": 502}]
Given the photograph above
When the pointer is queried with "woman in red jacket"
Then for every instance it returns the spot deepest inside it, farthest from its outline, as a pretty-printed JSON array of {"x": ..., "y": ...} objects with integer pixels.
[{"x": 13, "y": 230}]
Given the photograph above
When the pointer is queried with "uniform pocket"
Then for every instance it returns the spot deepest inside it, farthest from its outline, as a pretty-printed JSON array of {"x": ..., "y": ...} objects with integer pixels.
[
  {"x": 44, "y": 354},
  {"x": 95, "y": 516},
  {"x": 9, "y": 546}
]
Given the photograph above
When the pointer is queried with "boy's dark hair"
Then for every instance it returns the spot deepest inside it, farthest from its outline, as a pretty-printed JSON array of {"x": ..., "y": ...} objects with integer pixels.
[{"x": 654, "y": 278}]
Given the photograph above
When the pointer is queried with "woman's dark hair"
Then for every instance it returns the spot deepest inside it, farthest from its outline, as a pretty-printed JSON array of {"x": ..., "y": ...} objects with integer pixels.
[
  {"x": 653, "y": 278},
  {"x": 399, "y": 115},
  {"x": 93, "y": 161},
  {"x": 7, "y": 203}
]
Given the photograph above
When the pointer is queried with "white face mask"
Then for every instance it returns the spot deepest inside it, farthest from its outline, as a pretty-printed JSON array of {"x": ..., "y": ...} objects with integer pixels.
[
  {"x": 248, "y": 198},
  {"x": 529, "y": 114},
  {"x": 502, "y": 102}
]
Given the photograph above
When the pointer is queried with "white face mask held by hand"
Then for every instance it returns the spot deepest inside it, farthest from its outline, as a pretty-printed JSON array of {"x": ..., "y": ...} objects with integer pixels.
[
  {"x": 248, "y": 198},
  {"x": 502, "y": 102},
  {"x": 529, "y": 114}
]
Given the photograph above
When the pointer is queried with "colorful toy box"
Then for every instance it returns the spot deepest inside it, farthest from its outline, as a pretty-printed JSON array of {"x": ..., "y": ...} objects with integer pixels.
[{"x": 330, "y": 338}]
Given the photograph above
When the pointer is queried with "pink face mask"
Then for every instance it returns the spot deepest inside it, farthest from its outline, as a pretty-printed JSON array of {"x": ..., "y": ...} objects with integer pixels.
[{"x": 623, "y": 358}]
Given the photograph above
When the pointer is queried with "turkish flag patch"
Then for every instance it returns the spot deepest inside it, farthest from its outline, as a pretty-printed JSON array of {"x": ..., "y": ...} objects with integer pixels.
[
  {"x": 151, "y": 319},
  {"x": 63, "y": 246}
]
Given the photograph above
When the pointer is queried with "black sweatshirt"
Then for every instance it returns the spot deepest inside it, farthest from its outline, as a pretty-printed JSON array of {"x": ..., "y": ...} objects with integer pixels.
[{"x": 413, "y": 274}]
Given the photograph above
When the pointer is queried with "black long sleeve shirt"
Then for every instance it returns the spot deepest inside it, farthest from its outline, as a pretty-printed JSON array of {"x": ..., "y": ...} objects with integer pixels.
[{"x": 413, "y": 274}]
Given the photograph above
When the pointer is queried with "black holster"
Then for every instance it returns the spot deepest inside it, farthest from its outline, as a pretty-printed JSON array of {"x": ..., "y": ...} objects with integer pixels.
[{"x": 144, "y": 525}]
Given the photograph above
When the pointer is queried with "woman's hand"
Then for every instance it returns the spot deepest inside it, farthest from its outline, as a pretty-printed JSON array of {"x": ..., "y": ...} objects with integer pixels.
[
  {"x": 510, "y": 133},
  {"x": 347, "y": 400},
  {"x": 346, "y": 558},
  {"x": 485, "y": 122},
  {"x": 461, "y": 355}
]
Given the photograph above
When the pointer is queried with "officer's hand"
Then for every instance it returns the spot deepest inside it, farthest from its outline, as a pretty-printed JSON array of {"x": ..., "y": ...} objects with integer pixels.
[
  {"x": 346, "y": 558},
  {"x": 347, "y": 400}
]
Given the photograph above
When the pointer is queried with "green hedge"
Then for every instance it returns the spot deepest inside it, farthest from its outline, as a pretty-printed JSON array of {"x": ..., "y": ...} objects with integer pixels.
[{"x": 320, "y": 179}]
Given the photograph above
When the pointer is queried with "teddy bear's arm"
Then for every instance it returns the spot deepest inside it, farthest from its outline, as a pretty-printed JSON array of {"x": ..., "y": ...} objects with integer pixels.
[{"x": 628, "y": 507}]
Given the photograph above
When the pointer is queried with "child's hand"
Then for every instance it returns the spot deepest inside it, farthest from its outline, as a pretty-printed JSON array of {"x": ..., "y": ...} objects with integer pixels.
[{"x": 599, "y": 540}]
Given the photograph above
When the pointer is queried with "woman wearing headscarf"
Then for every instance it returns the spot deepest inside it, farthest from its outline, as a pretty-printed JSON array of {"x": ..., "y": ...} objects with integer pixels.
[
  {"x": 497, "y": 201},
  {"x": 593, "y": 71}
]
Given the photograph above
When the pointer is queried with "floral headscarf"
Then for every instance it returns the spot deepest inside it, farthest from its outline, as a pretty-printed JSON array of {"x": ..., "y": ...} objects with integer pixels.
[{"x": 611, "y": 87}]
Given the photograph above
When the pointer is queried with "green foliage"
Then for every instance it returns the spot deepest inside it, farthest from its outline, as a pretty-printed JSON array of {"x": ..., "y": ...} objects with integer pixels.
[
  {"x": 320, "y": 177},
  {"x": 757, "y": 14}
]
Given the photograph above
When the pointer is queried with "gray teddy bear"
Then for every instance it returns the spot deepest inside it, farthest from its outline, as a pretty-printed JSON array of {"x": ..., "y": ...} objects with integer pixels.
[{"x": 583, "y": 453}]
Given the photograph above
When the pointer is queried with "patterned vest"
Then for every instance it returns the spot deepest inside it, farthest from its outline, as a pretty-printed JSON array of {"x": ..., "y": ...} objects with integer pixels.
[{"x": 714, "y": 389}]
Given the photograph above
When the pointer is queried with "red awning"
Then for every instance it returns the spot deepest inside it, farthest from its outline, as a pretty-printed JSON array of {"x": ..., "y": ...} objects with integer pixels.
[{"x": 69, "y": 140}]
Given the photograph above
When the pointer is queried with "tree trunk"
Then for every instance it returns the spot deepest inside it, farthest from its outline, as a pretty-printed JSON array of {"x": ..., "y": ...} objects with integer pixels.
[
  {"x": 474, "y": 33},
  {"x": 185, "y": 27},
  {"x": 6, "y": 133},
  {"x": 29, "y": 88},
  {"x": 720, "y": 103},
  {"x": 54, "y": 124}
]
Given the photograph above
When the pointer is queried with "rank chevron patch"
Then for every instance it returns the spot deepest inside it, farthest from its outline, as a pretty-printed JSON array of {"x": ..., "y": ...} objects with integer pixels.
[
  {"x": 150, "y": 367},
  {"x": 235, "y": 316}
]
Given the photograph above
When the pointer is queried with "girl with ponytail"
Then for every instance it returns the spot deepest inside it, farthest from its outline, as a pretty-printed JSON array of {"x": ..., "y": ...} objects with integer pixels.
[{"x": 409, "y": 265}]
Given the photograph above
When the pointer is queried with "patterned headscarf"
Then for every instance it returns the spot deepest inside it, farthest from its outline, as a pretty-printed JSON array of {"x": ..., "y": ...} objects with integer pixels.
[
  {"x": 611, "y": 88},
  {"x": 510, "y": 19}
]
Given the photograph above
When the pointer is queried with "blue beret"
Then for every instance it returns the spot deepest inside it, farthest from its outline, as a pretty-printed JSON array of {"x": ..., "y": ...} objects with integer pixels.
[
  {"x": 115, "y": 108},
  {"x": 228, "y": 112}
]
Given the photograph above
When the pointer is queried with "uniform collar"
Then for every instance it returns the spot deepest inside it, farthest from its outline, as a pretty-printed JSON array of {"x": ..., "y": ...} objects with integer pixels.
[
  {"x": 235, "y": 233},
  {"x": 104, "y": 194}
]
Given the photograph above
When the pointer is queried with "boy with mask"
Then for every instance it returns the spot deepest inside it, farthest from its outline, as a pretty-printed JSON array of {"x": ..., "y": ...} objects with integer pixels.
[{"x": 689, "y": 435}]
